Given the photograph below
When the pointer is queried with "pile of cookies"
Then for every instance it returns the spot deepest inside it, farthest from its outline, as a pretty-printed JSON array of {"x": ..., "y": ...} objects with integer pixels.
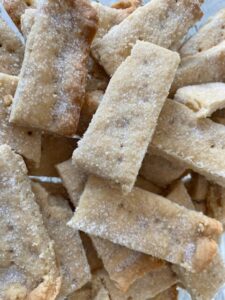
[{"x": 112, "y": 151}]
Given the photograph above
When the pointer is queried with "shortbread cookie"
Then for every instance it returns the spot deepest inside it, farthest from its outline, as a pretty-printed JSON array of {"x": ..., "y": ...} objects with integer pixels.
[
  {"x": 148, "y": 223},
  {"x": 197, "y": 143},
  {"x": 55, "y": 89},
  {"x": 11, "y": 50},
  {"x": 74, "y": 179},
  {"x": 158, "y": 22},
  {"x": 127, "y": 115},
  {"x": 203, "y": 99},
  {"x": 28, "y": 264},
  {"x": 74, "y": 268},
  {"x": 208, "y": 36},
  {"x": 124, "y": 265},
  {"x": 159, "y": 170},
  {"x": 204, "y": 67},
  {"x": 24, "y": 141}
]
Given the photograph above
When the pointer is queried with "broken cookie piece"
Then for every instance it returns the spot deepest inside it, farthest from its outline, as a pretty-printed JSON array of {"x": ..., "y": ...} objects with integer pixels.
[
  {"x": 24, "y": 141},
  {"x": 74, "y": 268},
  {"x": 28, "y": 263},
  {"x": 55, "y": 90}
]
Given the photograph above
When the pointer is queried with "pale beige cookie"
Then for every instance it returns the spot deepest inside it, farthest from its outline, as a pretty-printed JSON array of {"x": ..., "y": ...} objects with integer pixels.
[
  {"x": 169, "y": 294},
  {"x": 11, "y": 50},
  {"x": 160, "y": 170},
  {"x": 198, "y": 143},
  {"x": 148, "y": 223},
  {"x": 179, "y": 195},
  {"x": 198, "y": 187},
  {"x": 203, "y": 285},
  {"x": 127, "y": 115},
  {"x": 54, "y": 150},
  {"x": 158, "y": 22},
  {"x": 28, "y": 265},
  {"x": 74, "y": 268},
  {"x": 203, "y": 99},
  {"x": 215, "y": 203},
  {"x": 124, "y": 265},
  {"x": 84, "y": 293},
  {"x": 16, "y": 8},
  {"x": 146, "y": 287},
  {"x": 24, "y": 141},
  {"x": 204, "y": 67},
  {"x": 208, "y": 36},
  {"x": 74, "y": 179},
  {"x": 55, "y": 89},
  {"x": 91, "y": 103},
  {"x": 97, "y": 79},
  {"x": 27, "y": 21}
]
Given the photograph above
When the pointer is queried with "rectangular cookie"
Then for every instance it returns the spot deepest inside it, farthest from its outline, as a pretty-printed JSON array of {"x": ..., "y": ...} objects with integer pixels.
[
  {"x": 160, "y": 170},
  {"x": 74, "y": 179},
  {"x": 197, "y": 143},
  {"x": 148, "y": 223},
  {"x": 124, "y": 265},
  {"x": 158, "y": 22},
  {"x": 203, "y": 285},
  {"x": 24, "y": 141},
  {"x": 208, "y": 36},
  {"x": 55, "y": 89},
  {"x": 203, "y": 67},
  {"x": 11, "y": 50},
  {"x": 127, "y": 115},
  {"x": 74, "y": 268},
  {"x": 28, "y": 265},
  {"x": 203, "y": 99}
]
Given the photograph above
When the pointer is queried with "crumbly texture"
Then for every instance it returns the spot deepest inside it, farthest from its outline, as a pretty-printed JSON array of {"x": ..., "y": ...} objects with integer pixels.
[
  {"x": 179, "y": 195},
  {"x": 74, "y": 268},
  {"x": 124, "y": 265},
  {"x": 208, "y": 36},
  {"x": 54, "y": 150},
  {"x": 28, "y": 265},
  {"x": 148, "y": 223},
  {"x": 207, "y": 66},
  {"x": 160, "y": 170},
  {"x": 91, "y": 103},
  {"x": 144, "y": 288},
  {"x": 162, "y": 22},
  {"x": 127, "y": 116},
  {"x": 11, "y": 50},
  {"x": 203, "y": 99},
  {"x": 215, "y": 203},
  {"x": 27, "y": 21},
  {"x": 203, "y": 285},
  {"x": 198, "y": 143},
  {"x": 16, "y": 8},
  {"x": 74, "y": 179},
  {"x": 128, "y": 5},
  {"x": 54, "y": 71},
  {"x": 24, "y": 141}
]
